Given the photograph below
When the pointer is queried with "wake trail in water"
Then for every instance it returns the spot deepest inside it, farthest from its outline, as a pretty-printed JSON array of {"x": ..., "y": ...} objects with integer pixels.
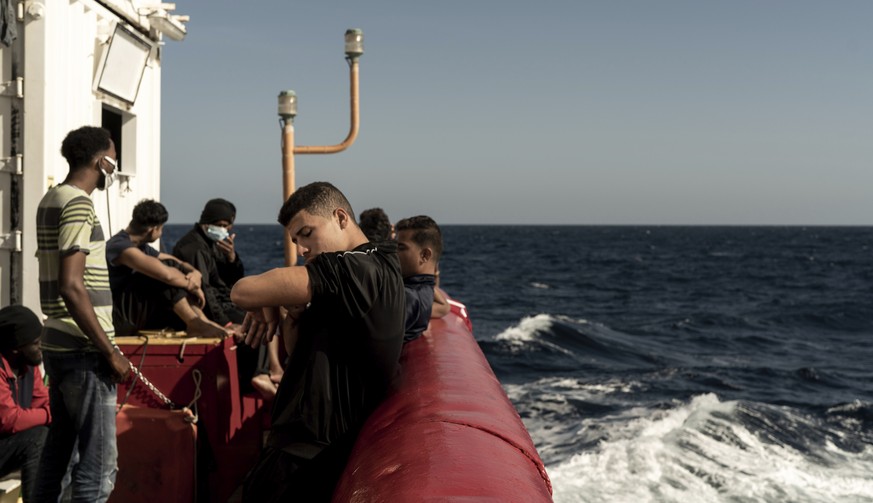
[
  {"x": 709, "y": 450},
  {"x": 609, "y": 427}
]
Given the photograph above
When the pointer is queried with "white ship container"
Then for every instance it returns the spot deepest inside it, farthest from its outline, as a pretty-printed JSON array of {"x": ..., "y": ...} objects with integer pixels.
[{"x": 73, "y": 63}]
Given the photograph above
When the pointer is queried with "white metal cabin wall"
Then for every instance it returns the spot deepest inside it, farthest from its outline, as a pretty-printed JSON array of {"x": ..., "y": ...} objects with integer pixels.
[
  {"x": 10, "y": 262},
  {"x": 61, "y": 53}
]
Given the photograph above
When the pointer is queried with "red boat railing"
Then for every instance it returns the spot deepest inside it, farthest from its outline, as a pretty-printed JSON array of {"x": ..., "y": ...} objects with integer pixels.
[{"x": 447, "y": 431}]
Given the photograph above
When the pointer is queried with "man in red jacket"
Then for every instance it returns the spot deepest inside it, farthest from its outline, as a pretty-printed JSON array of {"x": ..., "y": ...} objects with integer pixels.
[{"x": 24, "y": 404}]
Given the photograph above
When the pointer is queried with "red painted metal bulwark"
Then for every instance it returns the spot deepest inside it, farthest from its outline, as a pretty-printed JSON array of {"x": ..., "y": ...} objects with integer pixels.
[
  {"x": 156, "y": 456},
  {"x": 230, "y": 424},
  {"x": 448, "y": 431}
]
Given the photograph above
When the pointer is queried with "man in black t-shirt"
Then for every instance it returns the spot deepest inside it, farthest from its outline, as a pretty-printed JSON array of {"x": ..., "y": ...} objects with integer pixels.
[{"x": 343, "y": 327}]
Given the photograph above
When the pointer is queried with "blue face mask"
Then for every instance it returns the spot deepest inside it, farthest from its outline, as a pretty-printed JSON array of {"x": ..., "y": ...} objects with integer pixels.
[{"x": 216, "y": 233}]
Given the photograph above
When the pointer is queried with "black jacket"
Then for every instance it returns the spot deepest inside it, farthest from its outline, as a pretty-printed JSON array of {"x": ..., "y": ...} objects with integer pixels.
[{"x": 219, "y": 275}]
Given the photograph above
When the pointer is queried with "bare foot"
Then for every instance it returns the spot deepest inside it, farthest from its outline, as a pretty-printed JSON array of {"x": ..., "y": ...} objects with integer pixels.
[
  {"x": 206, "y": 329},
  {"x": 264, "y": 386}
]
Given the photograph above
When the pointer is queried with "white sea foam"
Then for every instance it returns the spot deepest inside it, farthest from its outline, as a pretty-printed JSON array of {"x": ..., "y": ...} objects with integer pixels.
[
  {"x": 568, "y": 387},
  {"x": 540, "y": 285},
  {"x": 527, "y": 329},
  {"x": 548, "y": 406},
  {"x": 701, "y": 452},
  {"x": 530, "y": 328},
  {"x": 848, "y": 407}
]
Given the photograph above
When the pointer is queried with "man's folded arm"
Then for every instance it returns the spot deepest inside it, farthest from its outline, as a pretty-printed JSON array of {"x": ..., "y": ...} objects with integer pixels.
[{"x": 285, "y": 286}]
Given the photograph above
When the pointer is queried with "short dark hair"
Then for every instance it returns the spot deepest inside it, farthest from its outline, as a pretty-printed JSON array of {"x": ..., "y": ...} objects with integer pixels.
[
  {"x": 81, "y": 146},
  {"x": 375, "y": 224},
  {"x": 148, "y": 213},
  {"x": 317, "y": 198},
  {"x": 426, "y": 232}
]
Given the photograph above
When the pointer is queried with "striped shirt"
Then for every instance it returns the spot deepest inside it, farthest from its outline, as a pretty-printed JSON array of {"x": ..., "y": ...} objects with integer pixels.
[{"x": 67, "y": 223}]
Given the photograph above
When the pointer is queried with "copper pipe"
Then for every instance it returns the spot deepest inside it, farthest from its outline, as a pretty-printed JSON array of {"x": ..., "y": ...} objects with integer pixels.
[
  {"x": 288, "y": 150},
  {"x": 288, "y": 183},
  {"x": 355, "y": 119}
]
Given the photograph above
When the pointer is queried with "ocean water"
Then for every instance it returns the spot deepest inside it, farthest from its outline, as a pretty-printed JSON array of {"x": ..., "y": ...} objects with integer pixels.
[{"x": 679, "y": 364}]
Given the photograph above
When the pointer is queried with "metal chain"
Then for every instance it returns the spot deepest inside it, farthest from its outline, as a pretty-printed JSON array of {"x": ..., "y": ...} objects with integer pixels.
[{"x": 169, "y": 403}]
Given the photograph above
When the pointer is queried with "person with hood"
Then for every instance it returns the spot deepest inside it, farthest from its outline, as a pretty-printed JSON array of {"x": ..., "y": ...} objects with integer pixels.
[
  {"x": 24, "y": 404},
  {"x": 210, "y": 248}
]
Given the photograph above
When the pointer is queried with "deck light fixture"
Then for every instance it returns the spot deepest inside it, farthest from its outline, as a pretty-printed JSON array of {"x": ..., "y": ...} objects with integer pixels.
[
  {"x": 354, "y": 47},
  {"x": 354, "y": 43},
  {"x": 170, "y": 25},
  {"x": 287, "y": 105},
  {"x": 122, "y": 65}
]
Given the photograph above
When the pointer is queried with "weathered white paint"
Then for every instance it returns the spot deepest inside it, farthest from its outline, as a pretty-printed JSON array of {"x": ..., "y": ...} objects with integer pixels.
[{"x": 60, "y": 51}]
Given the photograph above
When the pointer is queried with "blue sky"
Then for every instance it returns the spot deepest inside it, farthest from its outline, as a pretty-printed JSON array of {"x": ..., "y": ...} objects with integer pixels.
[{"x": 553, "y": 112}]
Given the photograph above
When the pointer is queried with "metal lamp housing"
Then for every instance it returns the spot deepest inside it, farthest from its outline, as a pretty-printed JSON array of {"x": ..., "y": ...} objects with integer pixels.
[
  {"x": 354, "y": 43},
  {"x": 287, "y": 104}
]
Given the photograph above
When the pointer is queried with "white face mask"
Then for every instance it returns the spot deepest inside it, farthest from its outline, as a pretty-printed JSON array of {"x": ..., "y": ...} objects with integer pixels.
[
  {"x": 108, "y": 178},
  {"x": 217, "y": 233}
]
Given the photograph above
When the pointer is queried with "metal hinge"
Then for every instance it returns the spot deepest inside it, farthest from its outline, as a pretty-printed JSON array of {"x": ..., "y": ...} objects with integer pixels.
[
  {"x": 12, "y": 164},
  {"x": 11, "y": 241},
  {"x": 13, "y": 88}
]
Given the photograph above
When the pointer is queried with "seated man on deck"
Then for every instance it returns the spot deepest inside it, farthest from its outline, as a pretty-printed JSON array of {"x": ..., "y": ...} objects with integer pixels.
[
  {"x": 24, "y": 402},
  {"x": 209, "y": 247},
  {"x": 347, "y": 349},
  {"x": 419, "y": 246},
  {"x": 150, "y": 289}
]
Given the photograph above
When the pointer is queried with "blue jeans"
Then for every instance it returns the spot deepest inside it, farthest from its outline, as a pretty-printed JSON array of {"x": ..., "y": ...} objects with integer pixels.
[{"x": 83, "y": 398}]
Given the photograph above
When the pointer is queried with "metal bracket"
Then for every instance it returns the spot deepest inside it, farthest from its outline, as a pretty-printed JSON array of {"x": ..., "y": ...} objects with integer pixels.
[
  {"x": 124, "y": 183},
  {"x": 11, "y": 241},
  {"x": 12, "y": 165},
  {"x": 13, "y": 88}
]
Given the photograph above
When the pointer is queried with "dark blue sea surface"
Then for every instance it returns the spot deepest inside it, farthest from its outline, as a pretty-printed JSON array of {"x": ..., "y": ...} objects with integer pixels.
[{"x": 672, "y": 363}]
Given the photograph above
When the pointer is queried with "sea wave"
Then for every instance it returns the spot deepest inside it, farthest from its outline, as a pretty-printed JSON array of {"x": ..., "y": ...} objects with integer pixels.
[
  {"x": 709, "y": 450},
  {"x": 527, "y": 329},
  {"x": 553, "y": 408},
  {"x": 566, "y": 342}
]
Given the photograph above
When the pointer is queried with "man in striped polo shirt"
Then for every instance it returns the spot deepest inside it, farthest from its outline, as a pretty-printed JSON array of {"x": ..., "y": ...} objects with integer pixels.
[{"x": 80, "y": 358}]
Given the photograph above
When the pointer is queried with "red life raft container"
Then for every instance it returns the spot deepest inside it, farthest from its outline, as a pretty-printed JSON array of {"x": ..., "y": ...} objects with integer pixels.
[{"x": 229, "y": 430}]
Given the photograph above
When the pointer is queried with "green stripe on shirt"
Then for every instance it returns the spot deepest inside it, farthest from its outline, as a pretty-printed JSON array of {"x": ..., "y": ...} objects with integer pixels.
[{"x": 67, "y": 223}]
